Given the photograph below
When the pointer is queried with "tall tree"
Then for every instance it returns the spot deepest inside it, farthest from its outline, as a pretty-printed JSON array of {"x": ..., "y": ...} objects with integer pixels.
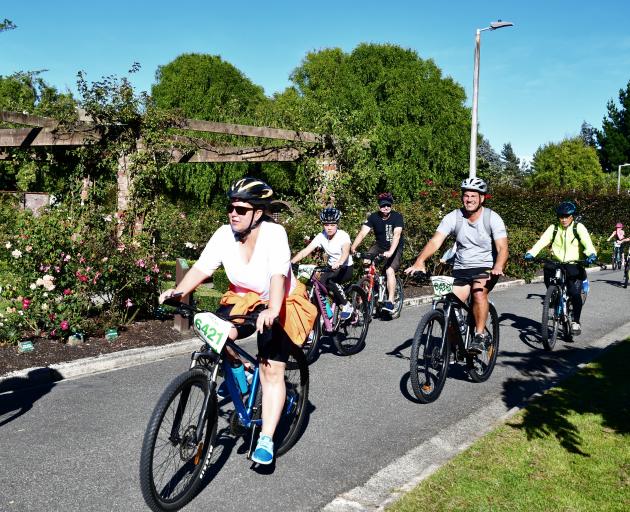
[
  {"x": 568, "y": 165},
  {"x": 398, "y": 123},
  {"x": 614, "y": 139},
  {"x": 588, "y": 134}
]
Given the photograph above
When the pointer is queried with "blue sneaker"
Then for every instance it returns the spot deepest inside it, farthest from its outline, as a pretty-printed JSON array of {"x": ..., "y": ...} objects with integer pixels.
[
  {"x": 388, "y": 307},
  {"x": 263, "y": 454}
]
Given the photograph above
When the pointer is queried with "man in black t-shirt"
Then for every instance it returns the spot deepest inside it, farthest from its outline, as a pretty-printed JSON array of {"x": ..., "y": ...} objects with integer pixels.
[{"x": 387, "y": 225}]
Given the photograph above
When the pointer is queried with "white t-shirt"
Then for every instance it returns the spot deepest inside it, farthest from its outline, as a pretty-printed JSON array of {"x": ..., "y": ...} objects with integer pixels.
[
  {"x": 271, "y": 256},
  {"x": 333, "y": 248}
]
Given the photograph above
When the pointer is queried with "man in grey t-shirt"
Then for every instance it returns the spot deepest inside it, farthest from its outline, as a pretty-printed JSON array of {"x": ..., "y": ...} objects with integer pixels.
[{"x": 474, "y": 253}]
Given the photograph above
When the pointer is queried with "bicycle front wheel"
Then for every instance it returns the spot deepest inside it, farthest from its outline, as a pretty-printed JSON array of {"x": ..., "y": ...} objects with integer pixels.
[
  {"x": 550, "y": 317},
  {"x": 370, "y": 293},
  {"x": 480, "y": 365},
  {"x": 399, "y": 297},
  {"x": 296, "y": 378},
  {"x": 350, "y": 335},
  {"x": 429, "y": 357},
  {"x": 172, "y": 462}
]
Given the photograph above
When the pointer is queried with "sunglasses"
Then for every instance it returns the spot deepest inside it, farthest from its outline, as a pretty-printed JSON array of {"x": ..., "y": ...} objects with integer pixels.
[{"x": 240, "y": 210}]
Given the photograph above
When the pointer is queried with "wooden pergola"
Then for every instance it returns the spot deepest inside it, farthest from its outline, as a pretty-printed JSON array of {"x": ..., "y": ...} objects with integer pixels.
[{"x": 47, "y": 132}]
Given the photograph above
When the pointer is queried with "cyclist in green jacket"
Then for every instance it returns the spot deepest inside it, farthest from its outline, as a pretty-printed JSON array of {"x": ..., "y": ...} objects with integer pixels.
[{"x": 566, "y": 239}]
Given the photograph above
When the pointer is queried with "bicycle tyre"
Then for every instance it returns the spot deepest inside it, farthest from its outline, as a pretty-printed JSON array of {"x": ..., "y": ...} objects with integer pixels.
[
  {"x": 550, "y": 321},
  {"x": 296, "y": 378},
  {"x": 480, "y": 366},
  {"x": 311, "y": 345},
  {"x": 364, "y": 284},
  {"x": 349, "y": 337},
  {"x": 187, "y": 462},
  {"x": 430, "y": 353},
  {"x": 399, "y": 297},
  {"x": 625, "y": 277}
]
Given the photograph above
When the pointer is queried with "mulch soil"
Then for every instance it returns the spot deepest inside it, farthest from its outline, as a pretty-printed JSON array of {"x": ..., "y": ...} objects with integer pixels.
[{"x": 140, "y": 334}]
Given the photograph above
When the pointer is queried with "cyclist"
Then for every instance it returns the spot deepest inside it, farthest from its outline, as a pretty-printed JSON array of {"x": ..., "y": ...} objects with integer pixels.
[
  {"x": 388, "y": 226},
  {"x": 619, "y": 237},
  {"x": 479, "y": 233},
  {"x": 565, "y": 240},
  {"x": 255, "y": 254},
  {"x": 336, "y": 244}
]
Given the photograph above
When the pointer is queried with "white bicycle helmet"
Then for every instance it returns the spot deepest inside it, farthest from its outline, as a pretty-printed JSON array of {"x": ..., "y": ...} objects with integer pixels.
[{"x": 476, "y": 184}]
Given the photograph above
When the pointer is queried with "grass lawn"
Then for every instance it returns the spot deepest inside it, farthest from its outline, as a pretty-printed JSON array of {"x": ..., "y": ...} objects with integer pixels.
[{"x": 569, "y": 450}]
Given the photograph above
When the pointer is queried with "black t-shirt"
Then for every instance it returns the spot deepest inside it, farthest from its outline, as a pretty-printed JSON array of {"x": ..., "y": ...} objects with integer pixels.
[{"x": 384, "y": 229}]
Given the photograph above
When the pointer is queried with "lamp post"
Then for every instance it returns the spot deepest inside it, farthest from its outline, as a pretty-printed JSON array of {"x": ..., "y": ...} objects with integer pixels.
[
  {"x": 619, "y": 176},
  {"x": 473, "y": 129}
]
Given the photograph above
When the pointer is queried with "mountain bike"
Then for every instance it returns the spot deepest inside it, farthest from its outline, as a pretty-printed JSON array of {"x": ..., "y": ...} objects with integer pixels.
[
  {"x": 180, "y": 436},
  {"x": 374, "y": 284},
  {"x": 449, "y": 327},
  {"x": 617, "y": 255},
  {"x": 348, "y": 335},
  {"x": 557, "y": 314}
]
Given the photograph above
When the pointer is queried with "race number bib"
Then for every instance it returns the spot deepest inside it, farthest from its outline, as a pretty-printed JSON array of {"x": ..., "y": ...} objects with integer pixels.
[
  {"x": 305, "y": 271},
  {"x": 442, "y": 285},
  {"x": 213, "y": 330}
]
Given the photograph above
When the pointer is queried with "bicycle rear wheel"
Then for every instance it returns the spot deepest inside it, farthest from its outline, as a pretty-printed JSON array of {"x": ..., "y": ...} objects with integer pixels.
[
  {"x": 172, "y": 464},
  {"x": 311, "y": 345},
  {"x": 296, "y": 378},
  {"x": 480, "y": 366},
  {"x": 350, "y": 335},
  {"x": 550, "y": 317},
  {"x": 429, "y": 357},
  {"x": 399, "y": 297},
  {"x": 626, "y": 275}
]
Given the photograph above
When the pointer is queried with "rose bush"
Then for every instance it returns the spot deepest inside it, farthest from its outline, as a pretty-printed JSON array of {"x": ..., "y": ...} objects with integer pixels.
[{"x": 67, "y": 271}]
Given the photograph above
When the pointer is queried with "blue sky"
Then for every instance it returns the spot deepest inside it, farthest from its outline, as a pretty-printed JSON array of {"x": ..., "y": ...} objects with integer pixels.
[{"x": 558, "y": 66}]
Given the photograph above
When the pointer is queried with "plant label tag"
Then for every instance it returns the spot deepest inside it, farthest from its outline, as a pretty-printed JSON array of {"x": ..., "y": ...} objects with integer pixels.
[
  {"x": 212, "y": 329},
  {"x": 25, "y": 346}
]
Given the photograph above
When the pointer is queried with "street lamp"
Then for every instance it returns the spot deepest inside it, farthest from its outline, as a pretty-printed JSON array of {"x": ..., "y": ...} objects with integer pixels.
[
  {"x": 619, "y": 176},
  {"x": 473, "y": 129}
]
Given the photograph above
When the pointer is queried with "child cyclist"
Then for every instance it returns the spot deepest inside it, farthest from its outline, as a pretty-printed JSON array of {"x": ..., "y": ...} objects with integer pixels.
[
  {"x": 255, "y": 254},
  {"x": 336, "y": 244}
]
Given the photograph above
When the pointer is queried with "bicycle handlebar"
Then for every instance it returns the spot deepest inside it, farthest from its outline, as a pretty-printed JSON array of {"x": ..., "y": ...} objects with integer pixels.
[
  {"x": 584, "y": 263},
  {"x": 186, "y": 310},
  {"x": 376, "y": 258}
]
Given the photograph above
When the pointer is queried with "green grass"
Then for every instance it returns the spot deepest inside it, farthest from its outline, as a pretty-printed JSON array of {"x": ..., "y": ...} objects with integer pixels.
[{"x": 569, "y": 450}]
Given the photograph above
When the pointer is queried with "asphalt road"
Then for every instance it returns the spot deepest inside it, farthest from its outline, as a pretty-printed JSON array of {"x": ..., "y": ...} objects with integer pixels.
[{"x": 75, "y": 445}]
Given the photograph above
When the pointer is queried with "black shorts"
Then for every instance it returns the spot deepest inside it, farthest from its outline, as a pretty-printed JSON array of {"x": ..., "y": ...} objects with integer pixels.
[
  {"x": 464, "y": 276},
  {"x": 393, "y": 261},
  {"x": 273, "y": 344}
]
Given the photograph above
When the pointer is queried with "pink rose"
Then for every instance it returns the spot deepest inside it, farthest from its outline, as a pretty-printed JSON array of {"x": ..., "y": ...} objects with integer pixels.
[
  {"x": 26, "y": 303},
  {"x": 64, "y": 325},
  {"x": 67, "y": 291}
]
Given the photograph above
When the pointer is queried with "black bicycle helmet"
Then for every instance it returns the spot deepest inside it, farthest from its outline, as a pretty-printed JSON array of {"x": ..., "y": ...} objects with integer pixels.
[
  {"x": 250, "y": 190},
  {"x": 385, "y": 198},
  {"x": 475, "y": 184},
  {"x": 566, "y": 208},
  {"x": 330, "y": 215}
]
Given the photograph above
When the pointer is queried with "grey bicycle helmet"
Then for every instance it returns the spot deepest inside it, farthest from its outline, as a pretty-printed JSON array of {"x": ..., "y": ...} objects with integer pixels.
[
  {"x": 475, "y": 184},
  {"x": 330, "y": 215},
  {"x": 566, "y": 208},
  {"x": 250, "y": 190}
]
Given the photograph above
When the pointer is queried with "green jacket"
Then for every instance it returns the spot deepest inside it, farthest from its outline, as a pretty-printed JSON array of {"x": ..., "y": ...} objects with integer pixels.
[{"x": 565, "y": 246}]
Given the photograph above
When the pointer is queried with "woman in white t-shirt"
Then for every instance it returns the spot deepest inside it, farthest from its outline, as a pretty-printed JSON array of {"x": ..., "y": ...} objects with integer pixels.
[
  {"x": 255, "y": 254},
  {"x": 336, "y": 244}
]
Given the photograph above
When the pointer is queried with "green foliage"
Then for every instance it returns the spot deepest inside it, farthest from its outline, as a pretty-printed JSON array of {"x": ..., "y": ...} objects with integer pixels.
[
  {"x": 568, "y": 165},
  {"x": 614, "y": 138}
]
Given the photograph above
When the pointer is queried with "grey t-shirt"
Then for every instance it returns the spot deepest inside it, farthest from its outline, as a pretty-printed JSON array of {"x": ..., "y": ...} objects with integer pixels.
[{"x": 474, "y": 245}]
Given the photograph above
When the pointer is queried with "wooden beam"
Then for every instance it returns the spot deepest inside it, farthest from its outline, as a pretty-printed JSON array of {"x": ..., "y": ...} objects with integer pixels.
[
  {"x": 227, "y": 154},
  {"x": 28, "y": 120},
  {"x": 251, "y": 131},
  {"x": 25, "y": 137}
]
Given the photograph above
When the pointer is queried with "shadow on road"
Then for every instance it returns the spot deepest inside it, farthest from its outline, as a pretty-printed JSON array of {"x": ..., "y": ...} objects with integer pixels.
[
  {"x": 20, "y": 393},
  {"x": 617, "y": 284},
  {"x": 601, "y": 389},
  {"x": 528, "y": 329}
]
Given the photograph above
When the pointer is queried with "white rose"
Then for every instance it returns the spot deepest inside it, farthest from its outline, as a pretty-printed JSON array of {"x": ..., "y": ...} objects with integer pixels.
[
  {"x": 44, "y": 307},
  {"x": 32, "y": 286},
  {"x": 8, "y": 245},
  {"x": 16, "y": 254}
]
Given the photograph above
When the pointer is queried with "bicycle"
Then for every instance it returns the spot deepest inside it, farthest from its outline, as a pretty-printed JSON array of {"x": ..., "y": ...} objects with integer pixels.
[
  {"x": 626, "y": 271},
  {"x": 348, "y": 335},
  {"x": 180, "y": 436},
  {"x": 374, "y": 284},
  {"x": 449, "y": 326},
  {"x": 557, "y": 309},
  {"x": 617, "y": 255}
]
